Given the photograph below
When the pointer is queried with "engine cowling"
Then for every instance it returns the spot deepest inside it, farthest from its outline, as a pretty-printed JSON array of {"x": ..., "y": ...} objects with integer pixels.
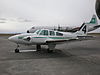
[{"x": 28, "y": 38}]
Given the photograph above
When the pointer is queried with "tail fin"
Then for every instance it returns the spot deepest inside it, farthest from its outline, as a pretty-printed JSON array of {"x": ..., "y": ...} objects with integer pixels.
[
  {"x": 83, "y": 30},
  {"x": 94, "y": 20}
]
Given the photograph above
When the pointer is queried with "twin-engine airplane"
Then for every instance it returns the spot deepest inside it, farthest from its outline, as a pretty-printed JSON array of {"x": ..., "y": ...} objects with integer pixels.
[{"x": 48, "y": 37}]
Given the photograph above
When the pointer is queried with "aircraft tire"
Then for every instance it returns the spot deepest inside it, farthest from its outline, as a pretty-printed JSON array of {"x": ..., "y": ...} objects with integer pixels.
[
  {"x": 16, "y": 50},
  {"x": 49, "y": 51}
]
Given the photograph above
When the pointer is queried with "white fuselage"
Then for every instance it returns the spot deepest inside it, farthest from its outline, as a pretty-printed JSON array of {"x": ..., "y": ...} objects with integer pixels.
[{"x": 40, "y": 39}]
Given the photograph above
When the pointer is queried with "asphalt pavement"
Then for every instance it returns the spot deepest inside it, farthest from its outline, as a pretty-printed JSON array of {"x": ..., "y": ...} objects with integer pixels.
[{"x": 75, "y": 58}]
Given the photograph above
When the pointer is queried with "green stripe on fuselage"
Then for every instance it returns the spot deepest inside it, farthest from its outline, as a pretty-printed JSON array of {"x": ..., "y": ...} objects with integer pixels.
[
  {"x": 20, "y": 37},
  {"x": 57, "y": 37},
  {"x": 53, "y": 37}
]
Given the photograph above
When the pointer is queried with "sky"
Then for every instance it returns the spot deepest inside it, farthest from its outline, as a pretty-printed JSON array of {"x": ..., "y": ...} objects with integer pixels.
[{"x": 20, "y": 15}]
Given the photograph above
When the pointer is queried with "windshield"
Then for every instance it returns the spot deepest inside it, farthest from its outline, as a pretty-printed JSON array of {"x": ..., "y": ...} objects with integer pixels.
[{"x": 37, "y": 31}]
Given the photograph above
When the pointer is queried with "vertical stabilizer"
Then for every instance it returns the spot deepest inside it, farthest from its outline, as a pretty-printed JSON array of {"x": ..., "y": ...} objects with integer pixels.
[
  {"x": 83, "y": 30},
  {"x": 94, "y": 20}
]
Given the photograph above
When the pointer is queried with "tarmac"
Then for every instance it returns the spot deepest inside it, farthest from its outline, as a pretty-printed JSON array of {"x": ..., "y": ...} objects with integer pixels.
[{"x": 74, "y": 58}]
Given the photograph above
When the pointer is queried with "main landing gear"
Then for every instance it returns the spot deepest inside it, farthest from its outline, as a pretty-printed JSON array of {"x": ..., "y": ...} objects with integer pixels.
[
  {"x": 51, "y": 48},
  {"x": 38, "y": 47},
  {"x": 49, "y": 51},
  {"x": 17, "y": 49}
]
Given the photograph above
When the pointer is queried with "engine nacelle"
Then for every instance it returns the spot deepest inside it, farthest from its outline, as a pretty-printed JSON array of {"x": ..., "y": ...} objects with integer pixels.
[{"x": 28, "y": 38}]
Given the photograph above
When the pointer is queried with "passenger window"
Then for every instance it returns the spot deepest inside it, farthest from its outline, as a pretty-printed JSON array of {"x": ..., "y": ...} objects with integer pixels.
[
  {"x": 52, "y": 33},
  {"x": 59, "y": 34},
  {"x": 44, "y": 32}
]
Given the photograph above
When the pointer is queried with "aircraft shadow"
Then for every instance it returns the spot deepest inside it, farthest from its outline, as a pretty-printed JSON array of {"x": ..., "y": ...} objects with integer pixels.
[{"x": 43, "y": 54}]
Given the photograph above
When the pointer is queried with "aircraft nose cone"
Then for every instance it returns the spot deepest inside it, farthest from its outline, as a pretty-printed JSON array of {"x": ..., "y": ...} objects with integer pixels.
[
  {"x": 9, "y": 38},
  {"x": 12, "y": 38}
]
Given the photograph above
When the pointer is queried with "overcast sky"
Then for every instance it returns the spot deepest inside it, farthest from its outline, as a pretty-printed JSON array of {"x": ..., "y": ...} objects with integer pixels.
[{"x": 20, "y": 15}]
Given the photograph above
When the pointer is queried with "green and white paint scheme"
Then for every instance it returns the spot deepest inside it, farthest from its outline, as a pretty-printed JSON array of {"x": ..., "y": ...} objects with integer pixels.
[
  {"x": 94, "y": 20},
  {"x": 93, "y": 24},
  {"x": 48, "y": 37}
]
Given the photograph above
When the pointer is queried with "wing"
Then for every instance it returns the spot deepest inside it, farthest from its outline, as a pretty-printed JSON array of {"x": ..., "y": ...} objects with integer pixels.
[
  {"x": 85, "y": 37},
  {"x": 59, "y": 41},
  {"x": 80, "y": 38}
]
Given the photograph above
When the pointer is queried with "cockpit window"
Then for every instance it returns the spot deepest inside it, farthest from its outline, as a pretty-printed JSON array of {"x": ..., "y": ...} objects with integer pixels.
[
  {"x": 52, "y": 33},
  {"x": 38, "y": 31},
  {"x": 59, "y": 34},
  {"x": 44, "y": 32}
]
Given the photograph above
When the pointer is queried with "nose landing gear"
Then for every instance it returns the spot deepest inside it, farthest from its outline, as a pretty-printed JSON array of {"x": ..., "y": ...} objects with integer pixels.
[{"x": 17, "y": 49}]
